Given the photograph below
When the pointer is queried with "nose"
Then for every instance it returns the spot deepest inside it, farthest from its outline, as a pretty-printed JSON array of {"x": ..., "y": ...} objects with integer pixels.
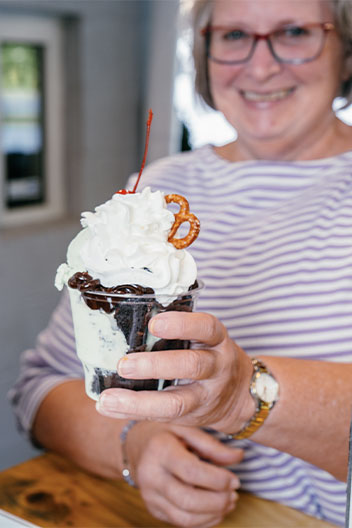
[{"x": 262, "y": 63}]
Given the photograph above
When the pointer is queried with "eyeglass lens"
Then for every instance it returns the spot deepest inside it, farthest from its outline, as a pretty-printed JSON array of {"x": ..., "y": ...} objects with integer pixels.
[{"x": 288, "y": 44}]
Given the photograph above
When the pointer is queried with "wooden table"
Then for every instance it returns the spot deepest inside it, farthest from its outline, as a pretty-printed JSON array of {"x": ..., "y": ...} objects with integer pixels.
[{"x": 50, "y": 491}]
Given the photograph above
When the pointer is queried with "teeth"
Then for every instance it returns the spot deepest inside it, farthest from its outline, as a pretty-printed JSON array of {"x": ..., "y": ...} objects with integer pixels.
[{"x": 272, "y": 96}]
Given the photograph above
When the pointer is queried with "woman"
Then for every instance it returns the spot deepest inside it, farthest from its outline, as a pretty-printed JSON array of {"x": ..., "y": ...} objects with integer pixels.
[{"x": 275, "y": 253}]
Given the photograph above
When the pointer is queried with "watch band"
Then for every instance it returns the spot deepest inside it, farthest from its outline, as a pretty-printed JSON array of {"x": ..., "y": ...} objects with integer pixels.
[
  {"x": 254, "y": 423},
  {"x": 262, "y": 408}
]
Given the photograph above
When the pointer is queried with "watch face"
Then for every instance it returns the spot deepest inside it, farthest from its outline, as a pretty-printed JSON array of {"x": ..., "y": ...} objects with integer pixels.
[{"x": 267, "y": 388}]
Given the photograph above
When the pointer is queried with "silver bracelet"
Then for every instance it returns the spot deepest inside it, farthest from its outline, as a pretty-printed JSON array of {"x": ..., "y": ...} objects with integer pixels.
[{"x": 126, "y": 473}]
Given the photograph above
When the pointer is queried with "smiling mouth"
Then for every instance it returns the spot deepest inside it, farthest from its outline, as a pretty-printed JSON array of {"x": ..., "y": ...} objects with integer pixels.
[{"x": 266, "y": 97}]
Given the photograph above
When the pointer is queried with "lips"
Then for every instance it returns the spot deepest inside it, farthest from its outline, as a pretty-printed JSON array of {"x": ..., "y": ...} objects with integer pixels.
[{"x": 259, "y": 97}]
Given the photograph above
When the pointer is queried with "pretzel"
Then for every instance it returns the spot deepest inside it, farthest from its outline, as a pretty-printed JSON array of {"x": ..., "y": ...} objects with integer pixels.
[{"x": 183, "y": 215}]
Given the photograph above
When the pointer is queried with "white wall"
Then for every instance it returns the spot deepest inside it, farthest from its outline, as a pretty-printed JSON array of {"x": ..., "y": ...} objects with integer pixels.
[
  {"x": 105, "y": 106},
  {"x": 159, "y": 88}
]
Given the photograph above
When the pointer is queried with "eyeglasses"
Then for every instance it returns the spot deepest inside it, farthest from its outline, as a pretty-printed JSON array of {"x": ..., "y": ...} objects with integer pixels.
[{"x": 291, "y": 44}]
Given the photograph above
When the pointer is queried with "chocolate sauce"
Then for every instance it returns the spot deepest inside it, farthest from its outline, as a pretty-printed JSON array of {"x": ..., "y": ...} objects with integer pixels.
[{"x": 82, "y": 281}]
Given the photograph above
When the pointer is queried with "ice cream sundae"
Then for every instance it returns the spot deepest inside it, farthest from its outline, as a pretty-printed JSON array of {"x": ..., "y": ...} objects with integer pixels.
[{"x": 123, "y": 267}]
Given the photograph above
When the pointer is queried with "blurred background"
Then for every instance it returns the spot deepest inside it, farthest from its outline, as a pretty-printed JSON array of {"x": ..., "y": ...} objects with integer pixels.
[
  {"x": 76, "y": 81},
  {"x": 77, "y": 78}
]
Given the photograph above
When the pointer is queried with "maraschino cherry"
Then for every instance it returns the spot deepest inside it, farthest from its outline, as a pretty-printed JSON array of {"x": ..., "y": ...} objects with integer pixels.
[{"x": 124, "y": 191}]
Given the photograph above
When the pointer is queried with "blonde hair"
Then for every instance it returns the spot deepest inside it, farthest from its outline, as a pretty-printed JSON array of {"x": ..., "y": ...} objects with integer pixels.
[{"x": 201, "y": 17}]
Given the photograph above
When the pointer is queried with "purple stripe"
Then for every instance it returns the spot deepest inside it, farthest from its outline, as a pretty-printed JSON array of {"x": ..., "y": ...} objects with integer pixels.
[
  {"x": 299, "y": 351},
  {"x": 296, "y": 333},
  {"x": 284, "y": 346},
  {"x": 332, "y": 516},
  {"x": 280, "y": 321},
  {"x": 234, "y": 242},
  {"x": 63, "y": 339},
  {"x": 244, "y": 476},
  {"x": 339, "y": 497},
  {"x": 295, "y": 473},
  {"x": 236, "y": 190},
  {"x": 272, "y": 298},
  {"x": 248, "y": 168},
  {"x": 297, "y": 307},
  {"x": 338, "y": 521},
  {"x": 318, "y": 356},
  {"x": 294, "y": 165},
  {"x": 257, "y": 249},
  {"x": 319, "y": 269},
  {"x": 260, "y": 249},
  {"x": 298, "y": 494},
  {"x": 332, "y": 356}
]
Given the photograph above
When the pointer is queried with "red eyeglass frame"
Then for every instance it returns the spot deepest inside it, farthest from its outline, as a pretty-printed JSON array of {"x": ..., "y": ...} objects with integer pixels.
[{"x": 207, "y": 30}]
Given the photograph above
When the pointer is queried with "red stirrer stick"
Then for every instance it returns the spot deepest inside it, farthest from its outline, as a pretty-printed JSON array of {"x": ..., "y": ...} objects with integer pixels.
[
  {"x": 150, "y": 117},
  {"x": 123, "y": 191}
]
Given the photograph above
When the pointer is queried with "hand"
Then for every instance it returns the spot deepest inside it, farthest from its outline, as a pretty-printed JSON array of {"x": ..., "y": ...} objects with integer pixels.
[
  {"x": 214, "y": 377},
  {"x": 177, "y": 471}
]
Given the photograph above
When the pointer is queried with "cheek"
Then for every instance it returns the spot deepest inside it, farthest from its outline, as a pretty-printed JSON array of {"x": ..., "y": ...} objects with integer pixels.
[
  {"x": 323, "y": 80},
  {"x": 222, "y": 84},
  {"x": 221, "y": 76},
  {"x": 326, "y": 71}
]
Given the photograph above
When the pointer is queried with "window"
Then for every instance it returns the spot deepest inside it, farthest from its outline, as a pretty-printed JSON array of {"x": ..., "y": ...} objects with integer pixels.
[
  {"x": 31, "y": 143},
  {"x": 201, "y": 123}
]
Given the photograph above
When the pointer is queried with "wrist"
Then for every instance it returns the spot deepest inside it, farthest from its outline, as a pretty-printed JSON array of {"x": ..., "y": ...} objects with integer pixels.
[
  {"x": 264, "y": 391},
  {"x": 126, "y": 468},
  {"x": 245, "y": 407},
  {"x": 134, "y": 440}
]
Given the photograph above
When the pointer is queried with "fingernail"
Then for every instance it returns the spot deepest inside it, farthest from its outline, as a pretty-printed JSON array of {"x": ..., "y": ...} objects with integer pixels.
[
  {"x": 107, "y": 402},
  {"x": 126, "y": 367},
  {"x": 234, "y": 497},
  {"x": 235, "y": 483},
  {"x": 100, "y": 406},
  {"x": 157, "y": 325}
]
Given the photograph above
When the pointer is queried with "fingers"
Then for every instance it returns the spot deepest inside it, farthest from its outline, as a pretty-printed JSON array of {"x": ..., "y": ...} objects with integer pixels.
[
  {"x": 196, "y": 500},
  {"x": 181, "y": 325},
  {"x": 165, "y": 510},
  {"x": 210, "y": 448},
  {"x": 165, "y": 405},
  {"x": 202, "y": 474},
  {"x": 194, "y": 363},
  {"x": 178, "y": 487},
  {"x": 184, "y": 504},
  {"x": 207, "y": 377},
  {"x": 168, "y": 364},
  {"x": 190, "y": 469}
]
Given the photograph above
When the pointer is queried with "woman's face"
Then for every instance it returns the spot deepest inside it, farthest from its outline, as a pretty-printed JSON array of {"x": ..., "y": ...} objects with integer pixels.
[{"x": 273, "y": 105}]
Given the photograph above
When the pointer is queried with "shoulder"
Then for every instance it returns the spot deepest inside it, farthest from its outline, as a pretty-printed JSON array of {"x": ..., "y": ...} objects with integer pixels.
[
  {"x": 165, "y": 173},
  {"x": 178, "y": 162}
]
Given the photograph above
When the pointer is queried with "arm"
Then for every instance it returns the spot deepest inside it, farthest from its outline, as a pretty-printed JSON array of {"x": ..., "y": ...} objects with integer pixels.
[
  {"x": 68, "y": 423},
  {"x": 310, "y": 420},
  {"x": 160, "y": 456},
  {"x": 54, "y": 409}
]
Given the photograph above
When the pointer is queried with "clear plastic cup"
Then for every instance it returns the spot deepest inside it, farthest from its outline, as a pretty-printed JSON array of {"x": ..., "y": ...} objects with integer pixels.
[{"x": 108, "y": 326}]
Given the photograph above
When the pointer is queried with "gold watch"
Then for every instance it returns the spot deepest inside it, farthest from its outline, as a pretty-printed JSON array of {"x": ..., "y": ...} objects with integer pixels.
[{"x": 265, "y": 391}]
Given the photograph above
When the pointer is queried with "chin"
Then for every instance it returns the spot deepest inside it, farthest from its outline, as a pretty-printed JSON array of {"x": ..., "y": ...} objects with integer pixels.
[{"x": 266, "y": 136}]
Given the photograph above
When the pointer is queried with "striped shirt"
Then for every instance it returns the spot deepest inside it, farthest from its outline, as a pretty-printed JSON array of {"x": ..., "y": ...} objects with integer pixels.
[{"x": 275, "y": 253}]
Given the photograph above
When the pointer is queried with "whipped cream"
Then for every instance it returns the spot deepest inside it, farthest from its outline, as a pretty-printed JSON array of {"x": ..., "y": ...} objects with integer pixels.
[{"x": 125, "y": 242}]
